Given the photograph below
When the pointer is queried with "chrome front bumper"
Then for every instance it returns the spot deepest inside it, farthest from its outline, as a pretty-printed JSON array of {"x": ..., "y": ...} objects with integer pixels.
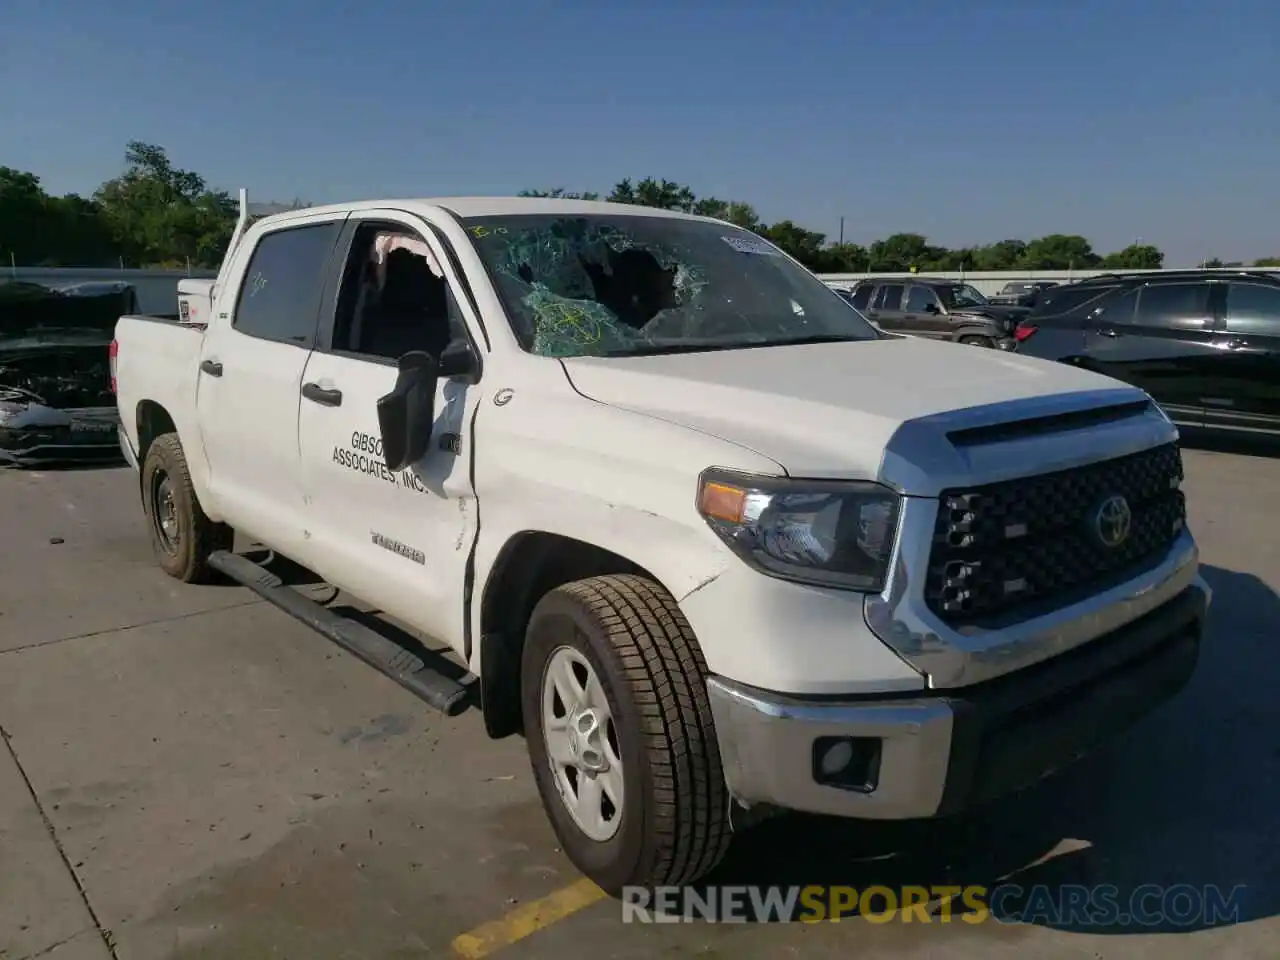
[{"x": 940, "y": 753}]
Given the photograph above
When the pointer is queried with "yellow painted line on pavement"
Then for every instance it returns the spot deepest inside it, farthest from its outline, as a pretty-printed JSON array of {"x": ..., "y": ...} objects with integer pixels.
[{"x": 526, "y": 920}]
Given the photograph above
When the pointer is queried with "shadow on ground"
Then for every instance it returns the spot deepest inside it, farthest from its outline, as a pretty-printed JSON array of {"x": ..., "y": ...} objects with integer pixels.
[{"x": 1172, "y": 828}]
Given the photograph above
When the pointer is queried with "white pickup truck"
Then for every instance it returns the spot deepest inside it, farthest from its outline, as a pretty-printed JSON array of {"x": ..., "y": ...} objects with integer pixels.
[{"x": 708, "y": 539}]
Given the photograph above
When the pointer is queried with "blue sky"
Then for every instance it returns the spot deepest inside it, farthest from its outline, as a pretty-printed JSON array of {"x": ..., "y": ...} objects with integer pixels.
[{"x": 1151, "y": 119}]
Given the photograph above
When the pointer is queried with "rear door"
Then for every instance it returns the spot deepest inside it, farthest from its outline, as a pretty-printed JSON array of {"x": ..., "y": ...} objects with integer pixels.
[
  {"x": 1246, "y": 396},
  {"x": 886, "y": 307},
  {"x": 252, "y": 358},
  {"x": 1160, "y": 336}
]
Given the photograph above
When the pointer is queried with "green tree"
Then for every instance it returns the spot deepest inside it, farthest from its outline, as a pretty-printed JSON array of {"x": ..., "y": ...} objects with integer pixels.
[
  {"x": 162, "y": 215},
  {"x": 1136, "y": 256},
  {"x": 902, "y": 251},
  {"x": 1004, "y": 255},
  {"x": 1058, "y": 251}
]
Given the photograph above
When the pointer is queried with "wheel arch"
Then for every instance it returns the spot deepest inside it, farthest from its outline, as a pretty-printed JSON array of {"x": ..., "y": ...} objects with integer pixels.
[{"x": 530, "y": 564}]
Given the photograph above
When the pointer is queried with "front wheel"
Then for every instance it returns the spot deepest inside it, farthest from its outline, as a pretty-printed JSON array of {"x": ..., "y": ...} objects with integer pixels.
[
  {"x": 182, "y": 536},
  {"x": 620, "y": 734}
]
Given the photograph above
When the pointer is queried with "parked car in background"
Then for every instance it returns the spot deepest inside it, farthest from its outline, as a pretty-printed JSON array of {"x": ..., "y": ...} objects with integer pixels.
[
  {"x": 1204, "y": 344},
  {"x": 56, "y": 404},
  {"x": 937, "y": 308},
  {"x": 1022, "y": 293}
]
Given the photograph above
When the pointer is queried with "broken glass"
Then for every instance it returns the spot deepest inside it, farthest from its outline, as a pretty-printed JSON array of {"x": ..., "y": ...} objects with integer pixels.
[{"x": 596, "y": 285}]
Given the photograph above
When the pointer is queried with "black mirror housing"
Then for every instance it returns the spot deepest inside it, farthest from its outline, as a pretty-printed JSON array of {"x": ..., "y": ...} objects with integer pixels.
[
  {"x": 406, "y": 415},
  {"x": 458, "y": 360}
]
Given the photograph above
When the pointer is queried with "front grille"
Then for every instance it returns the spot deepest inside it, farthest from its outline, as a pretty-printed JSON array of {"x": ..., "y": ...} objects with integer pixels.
[{"x": 1025, "y": 547}]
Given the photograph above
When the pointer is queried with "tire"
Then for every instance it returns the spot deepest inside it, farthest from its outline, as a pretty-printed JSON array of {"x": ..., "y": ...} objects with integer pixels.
[
  {"x": 974, "y": 341},
  {"x": 673, "y": 826},
  {"x": 181, "y": 535}
]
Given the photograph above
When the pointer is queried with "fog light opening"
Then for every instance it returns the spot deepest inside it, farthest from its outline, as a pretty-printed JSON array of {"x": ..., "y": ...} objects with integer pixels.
[{"x": 848, "y": 763}]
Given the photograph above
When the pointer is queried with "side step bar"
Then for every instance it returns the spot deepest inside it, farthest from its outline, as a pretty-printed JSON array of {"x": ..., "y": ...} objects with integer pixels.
[{"x": 383, "y": 654}]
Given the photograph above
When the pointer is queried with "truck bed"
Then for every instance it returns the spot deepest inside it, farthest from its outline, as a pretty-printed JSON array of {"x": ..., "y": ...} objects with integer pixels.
[{"x": 157, "y": 359}]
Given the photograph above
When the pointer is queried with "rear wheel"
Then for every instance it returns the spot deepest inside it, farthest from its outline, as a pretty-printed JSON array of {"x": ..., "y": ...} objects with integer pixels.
[
  {"x": 182, "y": 536},
  {"x": 620, "y": 734},
  {"x": 976, "y": 341}
]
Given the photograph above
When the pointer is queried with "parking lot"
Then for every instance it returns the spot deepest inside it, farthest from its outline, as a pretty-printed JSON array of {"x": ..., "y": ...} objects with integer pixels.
[{"x": 187, "y": 772}]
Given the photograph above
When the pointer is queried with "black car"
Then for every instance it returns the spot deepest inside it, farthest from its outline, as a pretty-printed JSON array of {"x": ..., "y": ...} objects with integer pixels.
[
  {"x": 56, "y": 403},
  {"x": 937, "y": 308},
  {"x": 1204, "y": 344},
  {"x": 1022, "y": 293}
]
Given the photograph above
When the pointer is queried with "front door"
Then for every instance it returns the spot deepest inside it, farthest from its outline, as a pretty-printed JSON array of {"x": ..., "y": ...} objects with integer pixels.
[
  {"x": 1246, "y": 394},
  {"x": 400, "y": 540},
  {"x": 922, "y": 313},
  {"x": 1160, "y": 337}
]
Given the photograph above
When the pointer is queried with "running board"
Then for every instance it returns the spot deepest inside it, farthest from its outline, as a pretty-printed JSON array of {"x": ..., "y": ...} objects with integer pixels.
[{"x": 383, "y": 654}]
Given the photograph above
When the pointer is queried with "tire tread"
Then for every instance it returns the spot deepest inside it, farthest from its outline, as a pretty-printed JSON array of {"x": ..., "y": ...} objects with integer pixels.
[{"x": 665, "y": 668}]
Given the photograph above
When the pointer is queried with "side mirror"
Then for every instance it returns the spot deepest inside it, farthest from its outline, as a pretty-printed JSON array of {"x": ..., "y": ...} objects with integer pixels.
[
  {"x": 407, "y": 413},
  {"x": 932, "y": 308},
  {"x": 458, "y": 361}
]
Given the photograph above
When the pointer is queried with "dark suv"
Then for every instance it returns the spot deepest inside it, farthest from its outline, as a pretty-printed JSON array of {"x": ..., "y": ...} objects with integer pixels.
[
  {"x": 1023, "y": 293},
  {"x": 942, "y": 309},
  {"x": 1204, "y": 344}
]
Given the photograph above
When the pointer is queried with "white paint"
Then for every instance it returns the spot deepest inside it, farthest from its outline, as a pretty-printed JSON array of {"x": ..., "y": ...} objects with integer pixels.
[{"x": 606, "y": 451}]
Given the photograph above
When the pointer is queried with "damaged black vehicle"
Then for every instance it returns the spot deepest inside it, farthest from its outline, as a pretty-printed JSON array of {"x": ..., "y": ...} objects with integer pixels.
[{"x": 56, "y": 404}]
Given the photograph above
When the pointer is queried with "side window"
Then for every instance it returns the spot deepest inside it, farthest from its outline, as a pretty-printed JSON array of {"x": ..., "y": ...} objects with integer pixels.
[
  {"x": 1065, "y": 299},
  {"x": 862, "y": 296},
  {"x": 395, "y": 298},
  {"x": 1178, "y": 306},
  {"x": 1253, "y": 308},
  {"x": 919, "y": 298},
  {"x": 280, "y": 292},
  {"x": 890, "y": 297}
]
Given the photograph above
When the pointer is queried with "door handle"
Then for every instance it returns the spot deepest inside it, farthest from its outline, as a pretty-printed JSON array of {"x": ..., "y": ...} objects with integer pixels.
[
  {"x": 1108, "y": 332},
  {"x": 321, "y": 395},
  {"x": 1235, "y": 343},
  {"x": 212, "y": 367}
]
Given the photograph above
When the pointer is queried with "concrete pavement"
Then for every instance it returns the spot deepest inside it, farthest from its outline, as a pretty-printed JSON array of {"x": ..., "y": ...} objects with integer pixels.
[{"x": 190, "y": 773}]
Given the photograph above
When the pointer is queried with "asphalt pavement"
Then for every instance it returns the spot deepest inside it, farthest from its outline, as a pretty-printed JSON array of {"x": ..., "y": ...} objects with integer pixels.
[{"x": 187, "y": 772}]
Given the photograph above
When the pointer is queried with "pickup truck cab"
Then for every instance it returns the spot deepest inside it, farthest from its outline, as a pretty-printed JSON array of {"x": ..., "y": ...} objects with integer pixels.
[{"x": 701, "y": 533}]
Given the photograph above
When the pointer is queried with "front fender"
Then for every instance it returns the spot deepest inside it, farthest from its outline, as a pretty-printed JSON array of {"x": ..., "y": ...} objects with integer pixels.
[{"x": 558, "y": 463}]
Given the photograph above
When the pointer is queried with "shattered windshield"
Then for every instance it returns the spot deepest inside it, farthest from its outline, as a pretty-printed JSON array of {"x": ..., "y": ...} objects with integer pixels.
[{"x": 600, "y": 285}]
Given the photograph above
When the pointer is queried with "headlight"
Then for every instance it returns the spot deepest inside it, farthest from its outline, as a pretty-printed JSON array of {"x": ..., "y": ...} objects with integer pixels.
[{"x": 826, "y": 533}]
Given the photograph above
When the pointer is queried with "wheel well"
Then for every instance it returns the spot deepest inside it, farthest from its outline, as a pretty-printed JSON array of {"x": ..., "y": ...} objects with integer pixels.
[
  {"x": 530, "y": 565},
  {"x": 153, "y": 421}
]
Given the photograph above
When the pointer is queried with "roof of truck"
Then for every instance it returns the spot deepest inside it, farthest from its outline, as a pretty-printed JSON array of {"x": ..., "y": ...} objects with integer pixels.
[{"x": 488, "y": 207}]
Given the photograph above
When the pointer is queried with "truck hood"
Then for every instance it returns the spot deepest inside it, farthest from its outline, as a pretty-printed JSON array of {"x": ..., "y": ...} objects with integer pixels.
[{"x": 831, "y": 410}]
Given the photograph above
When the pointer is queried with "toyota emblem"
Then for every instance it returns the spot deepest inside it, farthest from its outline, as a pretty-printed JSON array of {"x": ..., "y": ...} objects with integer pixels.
[{"x": 1112, "y": 521}]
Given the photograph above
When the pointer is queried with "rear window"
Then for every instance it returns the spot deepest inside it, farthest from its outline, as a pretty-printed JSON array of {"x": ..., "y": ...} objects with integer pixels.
[{"x": 1066, "y": 299}]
